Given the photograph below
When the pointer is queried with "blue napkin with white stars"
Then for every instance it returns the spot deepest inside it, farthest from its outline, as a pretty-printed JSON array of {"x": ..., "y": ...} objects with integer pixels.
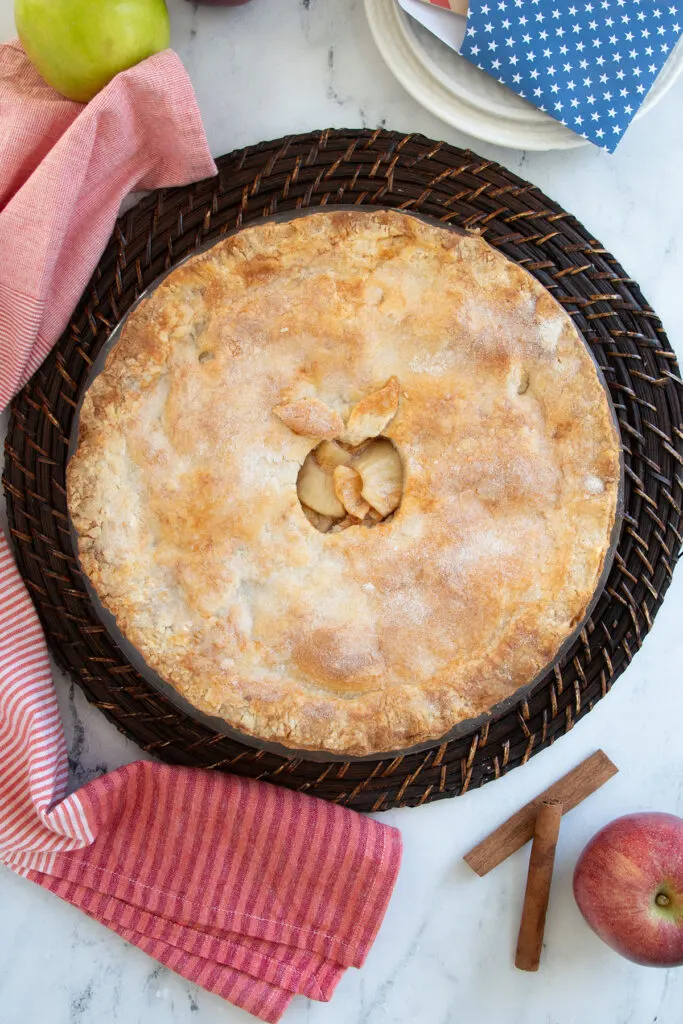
[{"x": 588, "y": 64}]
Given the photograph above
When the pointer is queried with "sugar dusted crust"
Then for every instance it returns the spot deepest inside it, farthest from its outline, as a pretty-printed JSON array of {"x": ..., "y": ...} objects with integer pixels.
[{"x": 183, "y": 487}]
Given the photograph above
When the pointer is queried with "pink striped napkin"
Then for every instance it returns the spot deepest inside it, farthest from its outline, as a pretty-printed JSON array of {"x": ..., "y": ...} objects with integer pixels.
[{"x": 253, "y": 892}]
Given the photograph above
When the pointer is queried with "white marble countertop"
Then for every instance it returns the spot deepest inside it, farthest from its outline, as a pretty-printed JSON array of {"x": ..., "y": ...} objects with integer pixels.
[{"x": 445, "y": 952}]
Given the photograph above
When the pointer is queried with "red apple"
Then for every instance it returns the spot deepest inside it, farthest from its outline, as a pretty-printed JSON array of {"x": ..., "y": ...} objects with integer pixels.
[{"x": 628, "y": 884}]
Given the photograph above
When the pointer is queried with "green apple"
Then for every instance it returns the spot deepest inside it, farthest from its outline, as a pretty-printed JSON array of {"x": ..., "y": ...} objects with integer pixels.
[{"x": 79, "y": 45}]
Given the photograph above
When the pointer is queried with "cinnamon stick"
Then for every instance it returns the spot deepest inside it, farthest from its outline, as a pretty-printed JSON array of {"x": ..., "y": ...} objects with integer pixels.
[
  {"x": 570, "y": 790},
  {"x": 538, "y": 881}
]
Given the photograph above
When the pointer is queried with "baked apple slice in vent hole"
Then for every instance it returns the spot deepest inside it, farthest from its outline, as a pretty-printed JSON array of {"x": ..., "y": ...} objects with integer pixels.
[{"x": 356, "y": 477}]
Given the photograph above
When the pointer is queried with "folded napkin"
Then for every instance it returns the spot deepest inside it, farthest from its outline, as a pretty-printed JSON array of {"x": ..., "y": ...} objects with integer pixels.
[
  {"x": 252, "y": 892},
  {"x": 588, "y": 64}
]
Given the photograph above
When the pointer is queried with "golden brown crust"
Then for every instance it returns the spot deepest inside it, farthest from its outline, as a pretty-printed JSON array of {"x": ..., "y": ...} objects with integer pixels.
[{"x": 183, "y": 488}]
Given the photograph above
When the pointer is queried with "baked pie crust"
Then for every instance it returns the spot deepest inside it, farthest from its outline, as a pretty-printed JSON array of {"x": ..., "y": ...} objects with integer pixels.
[{"x": 183, "y": 489}]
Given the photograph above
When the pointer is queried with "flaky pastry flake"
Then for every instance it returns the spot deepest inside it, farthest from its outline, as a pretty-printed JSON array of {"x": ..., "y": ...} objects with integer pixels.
[
  {"x": 310, "y": 417},
  {"x": 372, "y": 414}
]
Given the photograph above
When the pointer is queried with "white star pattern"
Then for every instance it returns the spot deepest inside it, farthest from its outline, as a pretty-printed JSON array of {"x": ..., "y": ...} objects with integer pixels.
[{"x": 593, "y": 61}]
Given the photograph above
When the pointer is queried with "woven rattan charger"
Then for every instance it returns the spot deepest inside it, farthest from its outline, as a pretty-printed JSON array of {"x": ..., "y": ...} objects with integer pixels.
[{"x": 456, "y": 187}]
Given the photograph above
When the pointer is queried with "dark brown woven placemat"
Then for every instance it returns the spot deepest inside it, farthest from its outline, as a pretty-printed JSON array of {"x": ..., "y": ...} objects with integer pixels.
[{"x": 457, "y": 187}]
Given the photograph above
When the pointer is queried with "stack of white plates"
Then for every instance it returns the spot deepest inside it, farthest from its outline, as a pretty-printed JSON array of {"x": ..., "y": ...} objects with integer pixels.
[{"x": 467, "y": 98}]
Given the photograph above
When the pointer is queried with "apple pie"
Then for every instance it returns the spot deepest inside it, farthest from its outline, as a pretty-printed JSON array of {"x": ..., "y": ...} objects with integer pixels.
[{"x": 346, "y": 480}]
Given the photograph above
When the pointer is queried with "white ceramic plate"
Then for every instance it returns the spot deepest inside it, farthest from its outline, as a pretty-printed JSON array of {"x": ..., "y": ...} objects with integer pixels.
[{"x": 469, "y": 99}]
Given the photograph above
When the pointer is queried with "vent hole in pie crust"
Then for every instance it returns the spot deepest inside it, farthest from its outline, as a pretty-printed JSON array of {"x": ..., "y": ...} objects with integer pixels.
[{"x": 340, "y": 485}]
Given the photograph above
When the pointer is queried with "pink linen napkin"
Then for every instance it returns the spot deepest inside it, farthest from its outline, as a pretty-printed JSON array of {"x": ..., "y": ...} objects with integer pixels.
[{"x": 251, "y": 891}]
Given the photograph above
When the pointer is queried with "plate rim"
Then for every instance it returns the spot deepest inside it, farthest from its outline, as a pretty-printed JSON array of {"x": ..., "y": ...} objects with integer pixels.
[{"x": 534, "y": 118}]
